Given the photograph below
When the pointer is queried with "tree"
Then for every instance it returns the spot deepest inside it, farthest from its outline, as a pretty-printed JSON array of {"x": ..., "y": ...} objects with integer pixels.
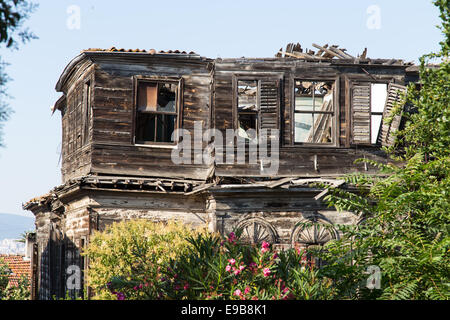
[
  {"x": 12, "y": 15},
  {"x": 405, "y": 217}
]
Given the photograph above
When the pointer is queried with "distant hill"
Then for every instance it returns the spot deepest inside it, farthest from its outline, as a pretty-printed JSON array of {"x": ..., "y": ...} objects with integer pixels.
[{"x": 13, "y": 225}]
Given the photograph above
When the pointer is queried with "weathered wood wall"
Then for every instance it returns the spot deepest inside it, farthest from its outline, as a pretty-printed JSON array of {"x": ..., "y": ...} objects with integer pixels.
[
  {"x": 113, "y": 150},
  {"x": 300, "y": 160},
  {"x": 76, "y": 141},
  {"x": 208, "y": 95}
]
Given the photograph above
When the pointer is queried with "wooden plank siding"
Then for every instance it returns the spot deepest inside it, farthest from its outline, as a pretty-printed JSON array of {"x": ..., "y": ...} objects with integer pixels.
[{"x": 208, "y": 95}]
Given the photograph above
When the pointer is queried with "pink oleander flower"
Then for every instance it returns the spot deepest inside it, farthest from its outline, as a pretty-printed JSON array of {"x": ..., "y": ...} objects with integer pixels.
[
  {"x": 186, "y": 286},
  {"x": 236, "y": 272},
  {"x": 231, "y": 237},
  {"x": 232, "y": 262},
  {"x": 135, "y": 288},
  {"x": 237, "y": 293},
  {"x": 265, "y": 247},
  {"x": 120, "y": 296},
  {"x": 266, "y": 272},
  {"x": 241, "y": 268},
  {"x": 252, "y": 265},
  {"x": 228, "y": 268},
  {"x": 247, "y": 290}
]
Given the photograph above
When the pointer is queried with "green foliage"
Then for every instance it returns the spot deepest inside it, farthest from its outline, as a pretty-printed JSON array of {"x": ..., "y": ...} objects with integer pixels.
[
  {"x": 11, "y": 292},
  {"x": 405, "y": 217},
  {"x": 224, "y": 268},
  {"x": 134, "y": 251},
  {"x": 12, "y": 15}
]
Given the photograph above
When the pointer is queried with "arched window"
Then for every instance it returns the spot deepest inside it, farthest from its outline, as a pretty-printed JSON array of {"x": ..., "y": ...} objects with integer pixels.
[
  {"x": 313, "y": 233},
  {"x": 256, "y": 230}
]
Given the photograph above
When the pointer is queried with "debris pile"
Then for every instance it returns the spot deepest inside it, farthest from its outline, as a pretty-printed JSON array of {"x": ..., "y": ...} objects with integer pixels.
[{"x": 327, "y": 53}]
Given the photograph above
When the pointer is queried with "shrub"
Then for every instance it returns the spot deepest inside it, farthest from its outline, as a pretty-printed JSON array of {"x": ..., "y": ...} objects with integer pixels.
[
  {"x": 224, "y": 268},
  {"x": 134, "y": 251}
]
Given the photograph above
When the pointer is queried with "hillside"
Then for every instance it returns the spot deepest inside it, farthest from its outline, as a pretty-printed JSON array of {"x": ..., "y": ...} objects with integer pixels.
[{"x": 12, "y": 225}]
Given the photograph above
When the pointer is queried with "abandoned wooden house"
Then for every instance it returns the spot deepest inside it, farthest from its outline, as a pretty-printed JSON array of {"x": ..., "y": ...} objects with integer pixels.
[{"x": 119, "y": 111}]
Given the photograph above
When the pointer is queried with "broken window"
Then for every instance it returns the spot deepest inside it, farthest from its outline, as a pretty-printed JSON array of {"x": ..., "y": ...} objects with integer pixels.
[
  {"x": 257, "y": 107},
  {"x": 378, "y": 94},
  {"x": 156, "y": 112},
  {"x": 247, "y": 110},
  {"x": 313, "y": 112},
  {"x": 368, "y": 104}
]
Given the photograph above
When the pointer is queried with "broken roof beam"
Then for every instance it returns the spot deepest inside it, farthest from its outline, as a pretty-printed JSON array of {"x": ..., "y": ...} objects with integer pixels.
[
  {"x": 301, "y": 55},
  {"x": 342, "y": 53},
  {"x": 364, "y": 54},
  {"x": 327, "y": 50},
  {"x": 280, "y": 182},
  {"x": 319, "y": 53}
]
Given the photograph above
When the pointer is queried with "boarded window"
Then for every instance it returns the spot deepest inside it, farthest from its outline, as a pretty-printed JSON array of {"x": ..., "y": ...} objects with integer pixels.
[
  {"x": 156, "y": 112},
  {"x": 314, "y": 112}
]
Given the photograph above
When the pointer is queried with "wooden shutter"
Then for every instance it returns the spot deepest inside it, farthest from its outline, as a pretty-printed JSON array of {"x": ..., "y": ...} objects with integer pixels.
[
  {"x": 360, "y": 101},
  {"x": 386, "y": 137},
  {"x": 269, "y": 104}
]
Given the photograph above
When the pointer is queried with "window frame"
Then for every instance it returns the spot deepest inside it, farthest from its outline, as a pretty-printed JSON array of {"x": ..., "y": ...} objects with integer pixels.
[
  {"x": 178, "y": 105},
  {"x": 349, "y": 109},
  {"x": 335, "y": 120},
  {"x": 257, "y": 76},
  {"x": 258, "y": 101}
]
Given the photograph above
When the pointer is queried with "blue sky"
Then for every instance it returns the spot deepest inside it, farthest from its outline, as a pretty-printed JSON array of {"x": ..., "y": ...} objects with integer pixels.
[{"x": 29, "y": 164}]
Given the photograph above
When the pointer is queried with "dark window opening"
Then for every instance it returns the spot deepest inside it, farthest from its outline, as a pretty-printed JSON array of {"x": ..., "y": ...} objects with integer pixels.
[
  {"x": 248, "y": 109},
  {"x": 156, "y": 114}
]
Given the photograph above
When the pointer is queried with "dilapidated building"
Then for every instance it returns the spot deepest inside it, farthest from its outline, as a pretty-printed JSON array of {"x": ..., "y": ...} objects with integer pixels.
[{"x": 120, "y": 109}]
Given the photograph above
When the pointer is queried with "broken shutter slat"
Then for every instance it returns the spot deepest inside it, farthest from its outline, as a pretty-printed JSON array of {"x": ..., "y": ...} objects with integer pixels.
[
  {"x": 360, "y": 101},
  {"x": 386, "y": 136},
  {"x": 269, "y": 100}
]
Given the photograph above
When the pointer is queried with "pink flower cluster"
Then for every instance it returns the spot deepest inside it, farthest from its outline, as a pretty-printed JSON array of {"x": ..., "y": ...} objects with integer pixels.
[
  {"x": 240, "y": 294},
  {"x": 265, "y": 247},
  {"x": 231, "y": 267},
  {"x": 232, "y": 238}
]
